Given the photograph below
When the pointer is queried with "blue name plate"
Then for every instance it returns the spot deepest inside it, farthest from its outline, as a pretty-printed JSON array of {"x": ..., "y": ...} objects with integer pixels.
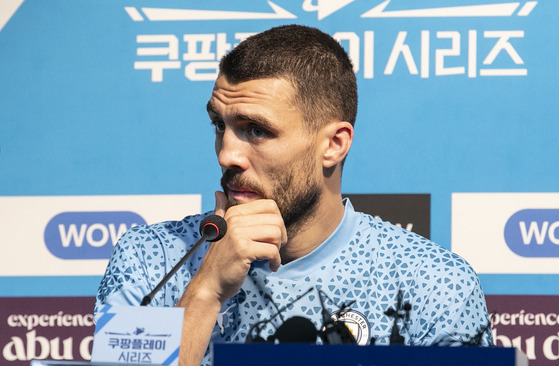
[
  {"x": 348, "y": 355},
  {"x": 138, "y": 335}
]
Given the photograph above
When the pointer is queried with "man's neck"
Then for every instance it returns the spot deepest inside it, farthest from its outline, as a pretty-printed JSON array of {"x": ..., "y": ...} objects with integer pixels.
[{"x": 314, "y": 231}]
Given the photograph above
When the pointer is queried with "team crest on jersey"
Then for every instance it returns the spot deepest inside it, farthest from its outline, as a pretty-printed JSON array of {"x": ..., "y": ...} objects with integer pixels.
[{"x": 357, "y": 324}]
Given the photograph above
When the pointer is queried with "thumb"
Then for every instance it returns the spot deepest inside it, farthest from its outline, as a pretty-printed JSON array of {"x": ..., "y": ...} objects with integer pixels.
[{"x": 220, "y": 203}]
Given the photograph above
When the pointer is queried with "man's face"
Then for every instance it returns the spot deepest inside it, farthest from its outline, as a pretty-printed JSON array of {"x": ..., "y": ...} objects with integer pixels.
[{"x": 263, "y": 148}]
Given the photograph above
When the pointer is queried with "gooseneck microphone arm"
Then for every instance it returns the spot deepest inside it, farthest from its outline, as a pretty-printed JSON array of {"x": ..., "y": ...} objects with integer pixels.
[
  {"x": 212, "y": 228},
  {"x": 147, "y": 299}
]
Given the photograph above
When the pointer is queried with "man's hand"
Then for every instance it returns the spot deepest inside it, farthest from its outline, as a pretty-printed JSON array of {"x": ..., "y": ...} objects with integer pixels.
[{"x": 255, "y": 231}]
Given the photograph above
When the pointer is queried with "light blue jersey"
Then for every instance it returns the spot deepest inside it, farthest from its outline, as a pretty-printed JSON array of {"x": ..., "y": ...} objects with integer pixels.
[{"x": 365, "y": 260}]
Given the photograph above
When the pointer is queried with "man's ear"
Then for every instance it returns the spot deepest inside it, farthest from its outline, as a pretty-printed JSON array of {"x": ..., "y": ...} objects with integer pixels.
[{"x": 338, "y": 137}]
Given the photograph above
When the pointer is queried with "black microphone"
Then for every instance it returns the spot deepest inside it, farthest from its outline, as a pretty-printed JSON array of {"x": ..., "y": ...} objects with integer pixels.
[
  {"x": 254, "y": 331},
  {"x": 333, "y": 331},
  {"x": 212, "y": 228},
  {"x": 295, "y": 330}
]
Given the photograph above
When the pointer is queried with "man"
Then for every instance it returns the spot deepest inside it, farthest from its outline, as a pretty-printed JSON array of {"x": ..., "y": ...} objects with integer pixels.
[{"x": 283, "y": 109}]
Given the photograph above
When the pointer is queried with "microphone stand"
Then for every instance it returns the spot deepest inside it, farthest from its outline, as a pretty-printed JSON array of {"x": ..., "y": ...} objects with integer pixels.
[
  {"x": 147, "y": 299},
  {"x": 212, "y": 228},
  {"x": 395, "y": 336}
]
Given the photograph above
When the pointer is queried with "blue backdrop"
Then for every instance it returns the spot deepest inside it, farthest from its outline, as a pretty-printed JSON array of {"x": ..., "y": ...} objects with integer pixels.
[{"x": 108, "y": 97}]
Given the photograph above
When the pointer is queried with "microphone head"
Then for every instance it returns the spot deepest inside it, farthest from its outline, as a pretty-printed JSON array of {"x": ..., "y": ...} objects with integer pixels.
[
  {"x": 296, "y": 330},
  {"x": 214, "y": 227}
]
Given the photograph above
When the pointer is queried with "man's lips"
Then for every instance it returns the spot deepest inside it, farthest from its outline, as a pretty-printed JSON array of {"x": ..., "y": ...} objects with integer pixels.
[{"x": 240, "y": 193}]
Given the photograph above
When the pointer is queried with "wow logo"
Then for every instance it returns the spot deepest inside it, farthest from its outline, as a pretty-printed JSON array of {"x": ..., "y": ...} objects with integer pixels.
[
  {"x": 87, "y": 235},
  {"x": 534, "y": 233}
]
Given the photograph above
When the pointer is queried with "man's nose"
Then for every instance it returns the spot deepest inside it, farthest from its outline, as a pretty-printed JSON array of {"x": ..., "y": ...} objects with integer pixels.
[{"x": 231, "y": 151}]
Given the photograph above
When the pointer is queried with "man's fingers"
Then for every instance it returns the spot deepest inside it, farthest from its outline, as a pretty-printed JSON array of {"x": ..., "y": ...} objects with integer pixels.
[
  {"x": 255, "y": 230},
  {"x": 269, "y": 234},
  {"x": 272, "y": 255},
  {"x": 220, "y": 203},
  {"x": 258, "y": 250},
  {"x": 260, "y": 221}
]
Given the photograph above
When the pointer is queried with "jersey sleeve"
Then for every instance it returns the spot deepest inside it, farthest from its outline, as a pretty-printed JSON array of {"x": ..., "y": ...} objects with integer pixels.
[{"x": 126, "y": 280}]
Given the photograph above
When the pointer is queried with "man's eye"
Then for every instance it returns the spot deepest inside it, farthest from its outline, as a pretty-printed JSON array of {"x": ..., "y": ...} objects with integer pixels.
[
  {"x": 257, "y": 132},
  {"x": 219, "y": 126}
]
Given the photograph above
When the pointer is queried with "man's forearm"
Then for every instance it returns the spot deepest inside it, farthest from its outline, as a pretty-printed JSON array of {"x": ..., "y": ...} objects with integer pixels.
[{"x": 200, "y": 315}]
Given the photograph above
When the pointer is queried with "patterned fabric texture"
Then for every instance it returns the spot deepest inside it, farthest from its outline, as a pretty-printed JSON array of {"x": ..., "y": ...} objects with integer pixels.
[{"x": 365, "y": 260}]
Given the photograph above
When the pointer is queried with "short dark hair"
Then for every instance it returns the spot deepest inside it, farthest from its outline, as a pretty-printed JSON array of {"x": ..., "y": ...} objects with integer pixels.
[{"x": 314, "y": 62}]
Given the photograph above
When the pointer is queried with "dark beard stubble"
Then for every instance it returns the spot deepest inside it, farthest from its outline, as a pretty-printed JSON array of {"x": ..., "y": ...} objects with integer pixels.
[{"x": 297, "y": 204}]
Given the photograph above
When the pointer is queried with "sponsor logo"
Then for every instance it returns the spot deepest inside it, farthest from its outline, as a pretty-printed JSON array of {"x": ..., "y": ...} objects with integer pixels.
[
  {"x": 80, "y": 230},
  {"x": 87, "y": 235},
  {"x": 464, "y": 51},
  {"x": 61, "y": 330},
  {"x": 507, "y": 232},
  {"x": 534, "y": 233},
  {"x": 357, "y": 324},
  {"x": 527, "y": 322}
]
